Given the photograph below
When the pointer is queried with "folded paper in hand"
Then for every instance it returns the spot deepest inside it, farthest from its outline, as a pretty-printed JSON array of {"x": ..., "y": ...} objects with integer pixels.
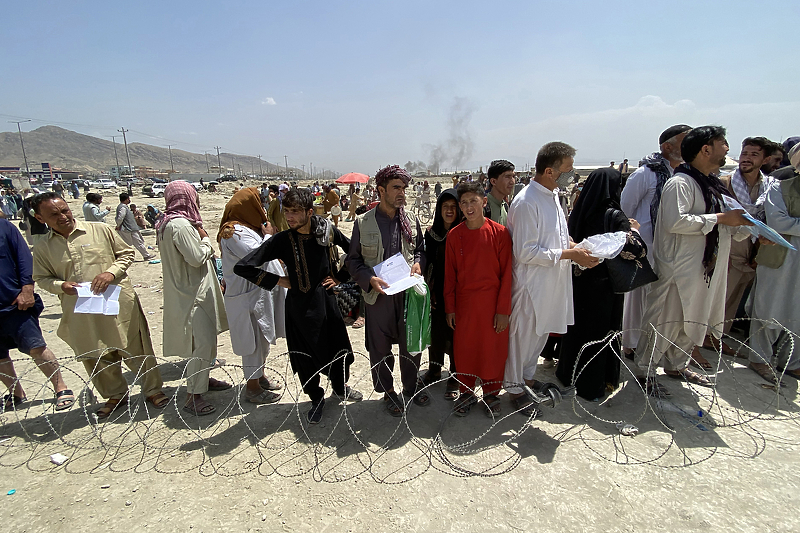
[
  {"x": 396, "y": 272},
  {"x": 106, "y": 303}
]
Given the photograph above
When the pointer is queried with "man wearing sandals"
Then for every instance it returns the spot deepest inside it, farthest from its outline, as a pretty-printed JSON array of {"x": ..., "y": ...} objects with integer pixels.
[
  {"x": 76, "y": 252},
  {"x": 194, "y": 312},
  {"x": 692, "y": 243},
  {"x": 379, "y": 234},
  {"x": 19, "y": 321},
  {"x": 541, "y": 293},
  {"x": 477, "y": 299}
]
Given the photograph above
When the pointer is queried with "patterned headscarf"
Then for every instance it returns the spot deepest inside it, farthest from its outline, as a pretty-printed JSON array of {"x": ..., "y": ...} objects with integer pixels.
[
  {"x": 244, "y": 208},
  {"x": 384, "y": 176},
  {"x": 182, "y": 202}
]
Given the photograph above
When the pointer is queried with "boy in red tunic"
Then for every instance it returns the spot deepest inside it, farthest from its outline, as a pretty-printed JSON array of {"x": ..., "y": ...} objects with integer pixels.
[{"x": 477, "y": 299}]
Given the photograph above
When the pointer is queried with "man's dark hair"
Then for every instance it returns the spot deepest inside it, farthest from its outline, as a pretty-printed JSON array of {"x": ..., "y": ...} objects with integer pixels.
[
  {"x": 298, "y": 199},
  {"x": 41, "y": 198},
  {"x": 93, "y": 197},
  {"x": 123, "y": 196},
  {"x": 777, "y": 147},
  {"x": 273, "y": 188},
  {"x": 767, "y": 146},
  {"x": 699, "y": 137},
  {"x": 551, "y": 154},
  {"x": 497, "y": 167},
  {"x": 470, "y": 187}
]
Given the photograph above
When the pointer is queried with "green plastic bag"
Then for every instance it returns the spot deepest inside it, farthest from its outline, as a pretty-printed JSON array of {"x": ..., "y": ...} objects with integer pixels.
[{"x": 418, "y": 319}]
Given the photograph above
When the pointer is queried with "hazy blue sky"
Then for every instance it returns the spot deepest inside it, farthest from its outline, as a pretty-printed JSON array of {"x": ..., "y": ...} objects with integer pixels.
[{"x": 363, "y": 84}]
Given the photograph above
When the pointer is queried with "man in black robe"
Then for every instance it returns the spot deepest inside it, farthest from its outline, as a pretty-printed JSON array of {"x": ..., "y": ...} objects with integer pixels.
[{"x": 315, "y": 332}]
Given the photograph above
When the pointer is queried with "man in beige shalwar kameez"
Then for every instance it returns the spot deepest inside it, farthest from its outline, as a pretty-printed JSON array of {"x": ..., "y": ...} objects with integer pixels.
[
  {"x": 194, "y": 312},
  {"x": 74, "y": 252}
]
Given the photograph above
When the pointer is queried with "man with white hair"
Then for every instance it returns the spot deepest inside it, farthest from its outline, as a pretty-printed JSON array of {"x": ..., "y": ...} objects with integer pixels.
[{"x": 640, "y": 199}]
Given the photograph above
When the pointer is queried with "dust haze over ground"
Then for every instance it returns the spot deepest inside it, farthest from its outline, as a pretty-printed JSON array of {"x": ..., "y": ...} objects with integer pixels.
[{"x": 262, "y": 468}]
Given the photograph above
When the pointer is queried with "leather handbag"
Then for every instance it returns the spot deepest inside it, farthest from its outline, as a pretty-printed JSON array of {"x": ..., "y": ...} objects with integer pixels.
[{"x": 627, "y": 271}]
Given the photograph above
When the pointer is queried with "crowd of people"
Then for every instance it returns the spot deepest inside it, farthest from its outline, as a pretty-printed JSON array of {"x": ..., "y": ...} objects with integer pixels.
[{"x": 507, "y": 274}]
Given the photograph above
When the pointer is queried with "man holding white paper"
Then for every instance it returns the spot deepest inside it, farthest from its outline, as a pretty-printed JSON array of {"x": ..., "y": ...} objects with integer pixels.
[
  {"x": 749, "y": 186},
  {"x": 378, "y": 235},
  {"x": 77, "y": 252}
]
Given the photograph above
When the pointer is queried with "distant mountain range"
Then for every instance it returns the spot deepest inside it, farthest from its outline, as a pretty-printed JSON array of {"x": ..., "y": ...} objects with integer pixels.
[{"x": 75, "y": 151}]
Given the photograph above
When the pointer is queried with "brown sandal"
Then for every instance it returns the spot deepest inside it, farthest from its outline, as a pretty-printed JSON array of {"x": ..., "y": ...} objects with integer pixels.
[
  {"x": 199, "y": 407},
  {"x": 698, "y": 361},
  {"x": 110, "y": 406},
  {"x": 765, "y": 372},
  {"x": 691, "y": 377},
  {"x": 159, "y": 400}
]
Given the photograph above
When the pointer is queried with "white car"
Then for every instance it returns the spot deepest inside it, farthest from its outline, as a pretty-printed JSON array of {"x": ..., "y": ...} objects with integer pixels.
[
  {"x": 156, "y": 190},
  {"x": 103, "y": 184}
]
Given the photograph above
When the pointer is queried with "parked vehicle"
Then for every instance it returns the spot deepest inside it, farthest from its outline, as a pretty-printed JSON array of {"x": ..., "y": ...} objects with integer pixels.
[
  {"x": 156, "y": 190},
  {"x": 103, "y": 184}
]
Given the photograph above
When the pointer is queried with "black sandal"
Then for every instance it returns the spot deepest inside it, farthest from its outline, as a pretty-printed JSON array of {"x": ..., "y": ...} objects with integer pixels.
[
  {"x": 492, "y": 403},
  {"x": 393, "y": 404},
  {"x": 464, "y": 404},
  {"x": 64, "y": 403},
  {"x": 420, "y": 396},
  {"x": 12, "y": 401}
]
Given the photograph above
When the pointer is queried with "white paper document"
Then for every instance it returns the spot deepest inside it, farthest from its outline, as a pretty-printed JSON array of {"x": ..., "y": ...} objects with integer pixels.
[
  {"x": 396, "y": 272},
  {"x": 106, "y": 303}
]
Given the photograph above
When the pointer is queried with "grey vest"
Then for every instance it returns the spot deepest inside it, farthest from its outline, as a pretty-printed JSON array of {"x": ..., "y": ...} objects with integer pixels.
[
  {"x": 372, "y": 246},
  {"x": 773, "y": 256}
]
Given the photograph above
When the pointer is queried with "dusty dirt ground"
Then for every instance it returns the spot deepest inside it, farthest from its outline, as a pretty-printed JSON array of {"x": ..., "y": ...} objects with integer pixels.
[{"x": 262, "y": 468}]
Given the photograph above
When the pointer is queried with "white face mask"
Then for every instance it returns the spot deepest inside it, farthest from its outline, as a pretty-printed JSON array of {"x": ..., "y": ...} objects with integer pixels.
[{"x": 565, "y": 179}]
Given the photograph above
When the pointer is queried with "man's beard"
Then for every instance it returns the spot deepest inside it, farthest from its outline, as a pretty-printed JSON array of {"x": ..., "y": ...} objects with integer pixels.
[{"x": 303, "y": 223}]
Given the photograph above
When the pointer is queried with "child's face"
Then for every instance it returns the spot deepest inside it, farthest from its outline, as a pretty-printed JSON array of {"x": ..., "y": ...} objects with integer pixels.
[{"x": 472, "y": 206}]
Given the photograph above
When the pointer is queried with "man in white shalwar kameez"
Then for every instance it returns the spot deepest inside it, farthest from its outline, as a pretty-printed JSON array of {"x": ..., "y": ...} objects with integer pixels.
[
  {"x": 256, "y": 316},
  {"x": 640, "y": 198},
  {"x": 774, "y": 294},
  {"x": 691, "y": 247},
  {"x": 541, "y": 294}
]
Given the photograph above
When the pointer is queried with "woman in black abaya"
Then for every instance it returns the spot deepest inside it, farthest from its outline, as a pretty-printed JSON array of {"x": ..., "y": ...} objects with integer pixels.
[{"x": 598, "y": 310}]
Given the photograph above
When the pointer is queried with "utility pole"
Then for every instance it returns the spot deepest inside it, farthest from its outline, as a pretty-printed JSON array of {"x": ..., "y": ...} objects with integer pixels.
[
  {"x": 252, "y": 167},
  {"x": 304, "y": 170},
  {"x": 128, "y": 155},
  {"x": 114, "y": 140},
  {"x": 233, "y": 165},
  {"x": 219, "y": 163},
  {"x": 208, "y": 168},
  {"x": 169, "y": 147},
  {"x": 25, "y": 157},
  {"x": 286, "y": 160},
  {"x": 260, "y": 172}
]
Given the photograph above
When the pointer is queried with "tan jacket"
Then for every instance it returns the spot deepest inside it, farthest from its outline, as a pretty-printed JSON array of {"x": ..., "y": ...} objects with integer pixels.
[{"x": 91, "y": 249}]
